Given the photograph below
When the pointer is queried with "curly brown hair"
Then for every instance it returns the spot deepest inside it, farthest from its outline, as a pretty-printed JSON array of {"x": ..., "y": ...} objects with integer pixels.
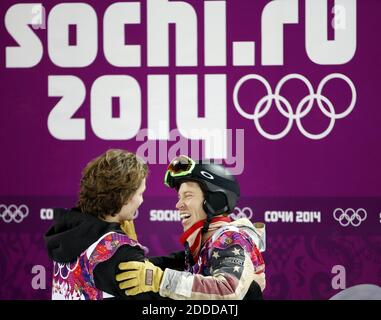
[{"x": 109, "y": 181}]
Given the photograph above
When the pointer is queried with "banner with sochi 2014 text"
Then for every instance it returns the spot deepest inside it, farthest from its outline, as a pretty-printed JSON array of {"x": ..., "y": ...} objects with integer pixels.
[{"x": 283, "y": 92}]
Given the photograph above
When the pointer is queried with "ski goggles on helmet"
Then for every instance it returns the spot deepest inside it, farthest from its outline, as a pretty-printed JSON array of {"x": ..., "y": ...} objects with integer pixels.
[{"x": 179, "y": 167}]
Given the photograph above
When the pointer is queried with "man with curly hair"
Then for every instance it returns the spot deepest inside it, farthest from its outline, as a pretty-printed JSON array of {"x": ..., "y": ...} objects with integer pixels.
[{"x": 88, "y": 242}]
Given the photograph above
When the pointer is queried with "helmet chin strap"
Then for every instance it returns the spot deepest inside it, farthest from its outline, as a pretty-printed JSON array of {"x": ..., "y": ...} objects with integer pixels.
[
  {"x": 210, "y": 213},
  {"x": 188, "y": 256}
]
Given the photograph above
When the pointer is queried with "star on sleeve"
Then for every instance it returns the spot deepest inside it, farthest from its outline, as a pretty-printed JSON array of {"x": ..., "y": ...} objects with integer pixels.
[
  {"x": 215, "y": 255},
  {"x": 236, "y": 269},
  {"x": 236, "y": 251}
]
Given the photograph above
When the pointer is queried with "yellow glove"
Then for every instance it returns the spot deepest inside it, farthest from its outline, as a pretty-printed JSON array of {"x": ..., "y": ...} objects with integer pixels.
[
  {"x": 140, "y": 277},
  {"x": 128, "y": 228}
]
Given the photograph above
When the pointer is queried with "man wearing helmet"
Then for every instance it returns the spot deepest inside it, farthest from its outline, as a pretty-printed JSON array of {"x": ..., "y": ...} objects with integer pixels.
[{"x": 223, "y": 257}]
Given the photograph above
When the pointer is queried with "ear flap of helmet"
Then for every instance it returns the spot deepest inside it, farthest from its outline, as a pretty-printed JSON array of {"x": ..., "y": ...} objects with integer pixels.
[
  {"x": 222, "y": 197},
  {"x": 215, "y": 203}
]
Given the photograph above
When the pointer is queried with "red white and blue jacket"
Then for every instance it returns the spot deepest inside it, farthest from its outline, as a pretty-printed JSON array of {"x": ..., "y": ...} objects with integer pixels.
[{"x": 227, "y": 265}]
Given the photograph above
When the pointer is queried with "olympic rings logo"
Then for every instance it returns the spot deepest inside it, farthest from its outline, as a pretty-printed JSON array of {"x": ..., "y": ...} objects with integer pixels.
[
  {"x": 350, "y": 216},
  {"x": 263, "y": 106},
  {"x": 63, "y": 269},
  {"x": 13, "y": 213},
  {"x": 239, "y": 213}
]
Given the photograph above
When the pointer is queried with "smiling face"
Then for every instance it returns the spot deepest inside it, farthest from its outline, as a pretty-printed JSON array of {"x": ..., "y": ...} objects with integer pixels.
[{"x": 190, "y": 203}]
